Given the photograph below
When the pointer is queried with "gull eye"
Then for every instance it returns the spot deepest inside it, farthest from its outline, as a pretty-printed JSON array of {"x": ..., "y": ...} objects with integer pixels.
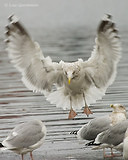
[
  {"x": 73, "y": 72},
  {"x": 65, "y": 73}
]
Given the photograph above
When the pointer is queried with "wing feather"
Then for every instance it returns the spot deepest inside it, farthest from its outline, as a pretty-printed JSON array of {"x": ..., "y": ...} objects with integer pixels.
[
  {"x": 102, "y": 64},
  {"x": 24, "y": 136},
  {"x": 115, "y": 134},
  {"x": 38, "y": 73}
]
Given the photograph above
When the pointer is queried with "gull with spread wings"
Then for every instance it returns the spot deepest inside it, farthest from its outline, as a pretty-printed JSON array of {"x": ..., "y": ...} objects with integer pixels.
[{"x": 68, "y": 85}]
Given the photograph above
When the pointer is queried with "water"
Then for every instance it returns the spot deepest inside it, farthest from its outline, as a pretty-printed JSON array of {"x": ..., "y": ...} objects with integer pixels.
[{"x": 18, "y": 104}]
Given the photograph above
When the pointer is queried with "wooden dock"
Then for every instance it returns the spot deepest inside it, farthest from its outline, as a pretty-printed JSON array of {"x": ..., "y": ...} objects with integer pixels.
[{"x": 18, "y": 104}]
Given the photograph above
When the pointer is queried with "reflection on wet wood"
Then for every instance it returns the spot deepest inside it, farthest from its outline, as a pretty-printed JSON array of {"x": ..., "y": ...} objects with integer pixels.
[{"x": 18, "y": 104}]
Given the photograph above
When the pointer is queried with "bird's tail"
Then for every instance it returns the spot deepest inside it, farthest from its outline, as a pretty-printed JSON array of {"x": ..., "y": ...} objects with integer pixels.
[
  {"x": 62, "y": 100},
  {"x": 1, "y": 145},
  {"x": 2, "y": 148},
  {"x": 74, "y": 132},
  {"x": 92, "y": 143},
  {"x": 96, "y": 146}
]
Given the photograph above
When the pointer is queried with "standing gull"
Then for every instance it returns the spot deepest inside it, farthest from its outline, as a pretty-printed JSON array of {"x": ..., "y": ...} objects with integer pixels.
[
  {"x": 112, "y": 138},
  {"x": 25, "y": 138},
  {"x": 68, "y": 85},
  {"x": 90, "y": 130}
]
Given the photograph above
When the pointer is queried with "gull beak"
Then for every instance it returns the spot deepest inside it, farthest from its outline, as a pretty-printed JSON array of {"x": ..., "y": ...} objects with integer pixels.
[{"x": 69, "y": 81}]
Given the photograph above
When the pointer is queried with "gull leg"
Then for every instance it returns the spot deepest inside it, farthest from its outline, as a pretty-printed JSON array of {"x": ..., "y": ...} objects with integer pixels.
[
  {"x": 87, "y": 110},
  {"x": 112, "y": 152},
  {"x": 31, "y": 156},
  {"x": 115, "y": 155},
  {"x": 72, "y": 113},
  {"x": 111, "y": 155},
  {"x": 105, "y": 155},
  {"x": 22, "y": 156}
]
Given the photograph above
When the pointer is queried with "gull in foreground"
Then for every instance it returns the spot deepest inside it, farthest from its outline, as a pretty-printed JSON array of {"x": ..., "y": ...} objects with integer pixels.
[
  {"x": 90, "y": 130},
  {"x": 112, "y": 138},
  {"x": 68, "y": 85},
  {"x": 25, "y": 138}
]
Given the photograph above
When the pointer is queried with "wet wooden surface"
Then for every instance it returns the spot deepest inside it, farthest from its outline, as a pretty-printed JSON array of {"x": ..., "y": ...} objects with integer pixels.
[{"x": 18, "y": 104}]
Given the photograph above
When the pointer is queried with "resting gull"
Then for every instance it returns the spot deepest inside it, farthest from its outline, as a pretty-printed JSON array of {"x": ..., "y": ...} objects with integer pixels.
[
  {"x": 68, "y": 85},
  {"x": 112, "y": 138},
  {"x": 97, "y": 125},
  {"x": 25, "y": 137}
]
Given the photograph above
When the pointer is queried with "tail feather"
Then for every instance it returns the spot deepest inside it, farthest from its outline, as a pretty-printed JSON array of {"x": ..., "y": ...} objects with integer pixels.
[
  {"x": 63, "y": 101},
  {"x": 74, "y": 132},
  {"x": 92, "y": 143}
]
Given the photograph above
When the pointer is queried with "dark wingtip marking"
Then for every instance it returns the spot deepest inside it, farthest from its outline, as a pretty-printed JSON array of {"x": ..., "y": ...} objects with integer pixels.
[
  {"x": 7, "y": 33},
  {"x": 1, "y": 145},
  {"x": 17, "y": 24},
  {"x": 92, "y": 143},
  {"x": 21, "y": 28},
  {"x": 10, "y": 17},
  {"x": 112, "y": 25},
  {"x": 109, "y": 16},
  {"x": 102, "y": 25},
  {"x": 115, "y": 31},
  {"x": 105, "y": 21},
  {"x": 6, "y": 41},
  {"x": 7, "y": 27},
  {"x": 74, "y": 132},
  {"x": 117, "y": 37}
]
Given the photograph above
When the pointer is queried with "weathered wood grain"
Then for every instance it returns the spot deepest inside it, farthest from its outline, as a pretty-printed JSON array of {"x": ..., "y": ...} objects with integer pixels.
[{"x": 18, "y": 104}]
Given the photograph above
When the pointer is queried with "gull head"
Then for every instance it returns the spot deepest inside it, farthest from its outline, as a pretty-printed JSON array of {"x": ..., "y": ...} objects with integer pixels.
[
  {"x": 71, "y": 71},
  {"x": 118, "y": 108}
]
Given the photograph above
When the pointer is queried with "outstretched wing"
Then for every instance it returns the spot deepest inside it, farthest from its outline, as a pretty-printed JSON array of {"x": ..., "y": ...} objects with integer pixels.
[
  {"x": 102, "y": 64},
  {"x": 38, "y": 73}
]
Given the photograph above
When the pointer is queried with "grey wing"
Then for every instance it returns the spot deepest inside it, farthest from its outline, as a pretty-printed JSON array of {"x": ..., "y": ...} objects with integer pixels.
[
  {"x": 23, "y": 136},
  {"x": 94, "y": 127},
  {"x": 101, "y": 66},
  {"x": 115, "y": 134},
  {"x": 38, "y": 73}
]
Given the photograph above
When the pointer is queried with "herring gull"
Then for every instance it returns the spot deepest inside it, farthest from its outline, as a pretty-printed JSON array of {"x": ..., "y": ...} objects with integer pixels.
[
  {"x": 25, "y": 137},
  {"x": 67, "y": 85},
  {"x": 112, "y": 138},
  {"x": 97, "y": 125}
]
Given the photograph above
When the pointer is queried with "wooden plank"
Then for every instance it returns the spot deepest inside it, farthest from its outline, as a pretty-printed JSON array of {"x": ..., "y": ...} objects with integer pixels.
[{"x": 18, "y": 104}]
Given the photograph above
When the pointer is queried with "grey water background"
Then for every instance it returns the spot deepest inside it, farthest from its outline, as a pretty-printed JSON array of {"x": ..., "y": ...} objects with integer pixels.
[{"x": 64, "y": 35}]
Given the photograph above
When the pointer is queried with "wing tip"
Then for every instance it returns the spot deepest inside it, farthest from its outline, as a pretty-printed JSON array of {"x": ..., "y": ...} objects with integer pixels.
[
  {"x": 14, "y": 23},
  {"x": 107, "y": 23},
  {"x": 13, "y": 18},
  {"x": 107, "y": 17}
]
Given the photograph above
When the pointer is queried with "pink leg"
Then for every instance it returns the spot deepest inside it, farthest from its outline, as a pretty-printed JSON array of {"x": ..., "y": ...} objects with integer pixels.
[
  {"x": 31, "y": 156},
  {"x": 87, "y": 110},
  {"x": 115, "y": 155},
  {"x": 72, "y": 113},
  {"x": 22, "y": 156},
  {"x": 111, "y": 155},
  {"x": 105, "y": 155}
]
